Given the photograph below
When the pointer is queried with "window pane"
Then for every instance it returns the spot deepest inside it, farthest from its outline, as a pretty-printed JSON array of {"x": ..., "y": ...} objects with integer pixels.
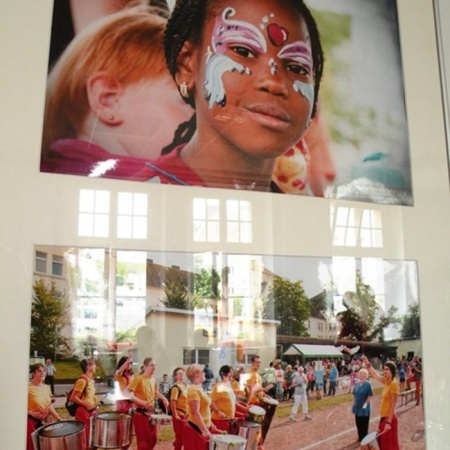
[
  {"x": 102, "y": 202},
  {"x": 140, "y": 228},
  {"x": 85, "y": 224},
  {"x": 140, "y": 205},
  {"x": 101, "y": 225},
  {"x": 233, "y": 232},
  {"x": 86, "y": 200},
  {"x": 232, "y": 210},
  {"x": 124, "y": 227},
  {"x": 125, "y": 203},
  {"x": 213, "y": 232}
]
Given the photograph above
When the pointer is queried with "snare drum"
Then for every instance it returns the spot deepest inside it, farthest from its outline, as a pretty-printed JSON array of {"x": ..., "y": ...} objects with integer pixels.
[
  {"x": 227, "y": 442},
  {"x": 270, "y": 401},
  {"x": 251, "y": 431},
  {"x": 256, "y": 414},
  {"x": 67, "y": 434},
  {"x": 110, "y": 430},
  {"x": 160, "y": 419}
]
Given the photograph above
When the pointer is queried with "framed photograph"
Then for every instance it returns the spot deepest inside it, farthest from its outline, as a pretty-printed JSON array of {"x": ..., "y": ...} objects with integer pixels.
[{"x": 328, "y": 120}]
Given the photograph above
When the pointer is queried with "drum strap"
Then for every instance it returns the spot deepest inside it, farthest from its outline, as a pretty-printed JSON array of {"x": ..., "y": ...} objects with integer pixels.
[
  {"x": 195, "y": 427},
  {"x": 38, "y": 422}
]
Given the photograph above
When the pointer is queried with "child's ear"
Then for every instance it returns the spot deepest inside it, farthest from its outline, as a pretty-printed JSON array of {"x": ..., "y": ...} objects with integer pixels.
[
  {"x": 104, "y": 93},
  {"x": 186, "y": 70}
]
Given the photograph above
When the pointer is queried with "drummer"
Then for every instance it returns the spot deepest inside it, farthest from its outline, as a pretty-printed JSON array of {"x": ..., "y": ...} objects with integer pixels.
[
  {"x": 199, "y": 427},
  {"x": 225, "y": 409},
  {"x": 257, "y": 393},
  {"x": 178, "y": 406},
  {"x": 83, "y": 395},
  {"x": 39, "y": 402},
  {"x": 255, "y": 389},
  {"x": 144, "y": 391},
  {"x": 123, "y": 376}
]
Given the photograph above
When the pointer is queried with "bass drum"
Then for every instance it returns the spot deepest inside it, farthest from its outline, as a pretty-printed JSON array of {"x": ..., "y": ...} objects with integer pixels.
[
  {"x": 67, "y": 435},
  {"x": 111, "y": 430}
]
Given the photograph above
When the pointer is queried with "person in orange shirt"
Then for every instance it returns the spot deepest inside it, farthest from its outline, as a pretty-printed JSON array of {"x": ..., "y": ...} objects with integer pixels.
[
  {"x": 144, "y": 391},
  {"x": 388, "y": 426},
  {"x": 39, "y": 402},
  {"x": 199, "y": 427},
  {"x": 122, "y": 376},
  {"x": 225, "y": 408},
  {"x": 83, "y": 395},
  {"x": 178, "y": 406}
]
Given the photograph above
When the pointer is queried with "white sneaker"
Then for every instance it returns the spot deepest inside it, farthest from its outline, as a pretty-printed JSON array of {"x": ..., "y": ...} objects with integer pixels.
[
  {"x": 307, "y": 418},
  {"x": 292, "y": 419}
]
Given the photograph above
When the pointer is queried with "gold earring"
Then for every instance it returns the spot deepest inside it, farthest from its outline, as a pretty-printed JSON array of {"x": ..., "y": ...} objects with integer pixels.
[{"x": 184, "y": 90}]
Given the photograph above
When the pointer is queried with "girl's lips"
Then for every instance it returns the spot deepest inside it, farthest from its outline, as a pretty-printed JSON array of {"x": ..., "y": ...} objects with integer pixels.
[{"x": 270, "y": 116}]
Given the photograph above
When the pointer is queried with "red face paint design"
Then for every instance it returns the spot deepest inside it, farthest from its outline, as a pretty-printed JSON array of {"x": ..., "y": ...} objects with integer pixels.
[{"x": 277, "y": 35}]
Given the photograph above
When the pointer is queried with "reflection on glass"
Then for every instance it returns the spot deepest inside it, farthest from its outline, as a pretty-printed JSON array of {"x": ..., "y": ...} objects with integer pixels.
[
  {"x": 93, "y": 217},
  {"x": 356, "y": 227},
  {"x": 206, "y": 219},
  {"x": 132, "y": 215},
  {"x": 239, "y": 221}
]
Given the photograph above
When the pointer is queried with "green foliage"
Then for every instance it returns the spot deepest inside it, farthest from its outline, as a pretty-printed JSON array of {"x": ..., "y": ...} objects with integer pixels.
[
  {"x": 49, "y": 315},
  {"x": 206, "y": 284},
  {"x": 288, "y": 303},
  {"x": 178, "y": 295},
  {"x": 411, "y": 322}
]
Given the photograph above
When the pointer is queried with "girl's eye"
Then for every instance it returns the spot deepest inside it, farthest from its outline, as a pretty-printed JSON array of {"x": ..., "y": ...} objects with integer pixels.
[
  {"x": 244, "y": 52},
  {"x": 297, "y": 69}
]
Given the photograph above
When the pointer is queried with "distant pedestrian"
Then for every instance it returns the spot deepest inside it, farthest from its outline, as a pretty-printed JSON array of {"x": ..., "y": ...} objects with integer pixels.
[
  {"x": 299, "y": 383},
  {"x": 362, "y": 395},
  {"x": 50, "y": 370},
  {"x": 333, "y": 379},
  {"x": 209, "y": 376}
]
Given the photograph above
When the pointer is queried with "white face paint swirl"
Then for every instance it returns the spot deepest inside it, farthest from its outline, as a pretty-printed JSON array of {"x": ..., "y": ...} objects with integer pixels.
[
  {"x": 300, "y": 53},
  {"x": 228, "y": 33}
]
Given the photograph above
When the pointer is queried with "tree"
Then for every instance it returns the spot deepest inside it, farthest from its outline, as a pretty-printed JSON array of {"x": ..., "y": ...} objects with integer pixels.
[
  {"x": 411, "y": 322},
  {"x": 178, "y": 295},
  {"x": 206, "y": 284},
  {"x": 288, "y": 303},
  {"x": 358, "y": 319},
  {"x": 49, "y": 315},
  {"x": 206, "y": 288}
]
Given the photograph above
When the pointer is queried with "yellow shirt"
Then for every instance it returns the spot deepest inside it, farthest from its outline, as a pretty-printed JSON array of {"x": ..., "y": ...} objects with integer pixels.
[
  {"x": 39, "y": 397},
  {"x": 180, "y": 396},
  {"x": 225, "y": 399},
  {"x": 195, "y": 393},
  {"x": 89, "y": 394},
  {"x": 254, "y": 379},
  {"x": 143, "y": 387},
  {"x": 236, "y": 386},
  {"x": 392, "y": 388}
]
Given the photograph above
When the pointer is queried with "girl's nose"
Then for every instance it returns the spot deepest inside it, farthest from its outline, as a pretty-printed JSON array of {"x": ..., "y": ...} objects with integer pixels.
[{"x": 270, "y": 80}]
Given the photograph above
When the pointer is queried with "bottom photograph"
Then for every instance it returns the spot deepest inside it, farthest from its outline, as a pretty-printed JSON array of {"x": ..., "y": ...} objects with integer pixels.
[{"x": 161, "y": 350}]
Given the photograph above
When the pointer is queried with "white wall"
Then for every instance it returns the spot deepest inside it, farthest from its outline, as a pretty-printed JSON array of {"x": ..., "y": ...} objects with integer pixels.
[{"x": 42, "y": 208}]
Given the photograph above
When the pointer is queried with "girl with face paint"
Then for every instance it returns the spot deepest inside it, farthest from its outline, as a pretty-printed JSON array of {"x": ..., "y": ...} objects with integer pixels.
[{"x": 252, "y": 71}]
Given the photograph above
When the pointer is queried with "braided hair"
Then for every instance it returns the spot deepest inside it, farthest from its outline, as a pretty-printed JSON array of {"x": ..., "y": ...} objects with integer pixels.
[{"x": 186, "y": 23}]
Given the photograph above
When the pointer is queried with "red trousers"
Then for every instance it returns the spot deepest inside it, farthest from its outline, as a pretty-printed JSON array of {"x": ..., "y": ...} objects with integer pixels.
[
  {"x": 389, "y": 439},
  {"x": 84, "y": 416},
  {"x": 193, "y": 440},
  {"x": 418, "y": 384},
  {"x": 146, "y": 432},
  {"x": 178, "y": 429},
  {"x": 32, "y": 425}
]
